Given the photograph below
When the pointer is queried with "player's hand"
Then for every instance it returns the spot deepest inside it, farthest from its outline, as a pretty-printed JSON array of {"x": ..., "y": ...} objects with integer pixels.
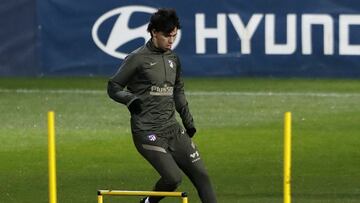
[
  {"x": 191, "y": 132},
  {"x": 135, "y": 106}
]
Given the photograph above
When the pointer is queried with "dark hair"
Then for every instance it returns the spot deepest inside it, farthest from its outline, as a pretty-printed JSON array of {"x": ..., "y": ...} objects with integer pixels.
[{"x": 164, "y": 20}]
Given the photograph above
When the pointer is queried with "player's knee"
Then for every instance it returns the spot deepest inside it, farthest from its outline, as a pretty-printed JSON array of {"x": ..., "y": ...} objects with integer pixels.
[
  {"x": 203, "y": 176},
  {"x": 173, "y": 181}
]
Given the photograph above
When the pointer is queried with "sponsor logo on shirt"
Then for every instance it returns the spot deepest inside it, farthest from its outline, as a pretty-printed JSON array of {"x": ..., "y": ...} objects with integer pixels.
[
  {"x": 152, "y": 63},
  {"x": 195, "y": 156},
  {"x": 161, "y": 91}
]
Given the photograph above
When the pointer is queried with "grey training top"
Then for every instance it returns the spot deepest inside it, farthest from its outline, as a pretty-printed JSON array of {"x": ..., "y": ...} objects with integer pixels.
[{"x": 153, "y": 76}]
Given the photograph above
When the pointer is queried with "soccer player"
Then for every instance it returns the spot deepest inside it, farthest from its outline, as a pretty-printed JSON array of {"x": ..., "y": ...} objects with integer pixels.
[{"x": 150, "y": 84}]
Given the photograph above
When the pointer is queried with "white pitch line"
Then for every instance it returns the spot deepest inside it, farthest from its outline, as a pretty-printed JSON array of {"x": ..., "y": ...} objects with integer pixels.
[
  {"x": 190, "y": 93},
  {"x": 52, "y": 91},
  {"x": 310, "y": 94}
]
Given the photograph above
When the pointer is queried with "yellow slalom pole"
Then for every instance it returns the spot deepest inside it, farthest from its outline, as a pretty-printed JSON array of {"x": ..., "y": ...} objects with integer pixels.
[
  {"x": 52, "y": 157},
  {"x": 100, "y": 198},
  {"x": 287, "y": 158},
  {"x": 184, "y": 200}
]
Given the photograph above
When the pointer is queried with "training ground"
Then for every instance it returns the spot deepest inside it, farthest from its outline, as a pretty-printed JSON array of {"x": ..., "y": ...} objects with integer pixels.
[{"x": 240, "y": 137}]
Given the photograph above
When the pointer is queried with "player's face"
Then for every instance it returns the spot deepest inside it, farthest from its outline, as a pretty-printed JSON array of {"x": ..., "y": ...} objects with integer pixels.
[{"x": 163, "y": 40}]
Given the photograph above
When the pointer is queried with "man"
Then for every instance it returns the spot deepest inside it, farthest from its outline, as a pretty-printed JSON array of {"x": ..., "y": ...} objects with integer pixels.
[{"x": 154, "y": 89}]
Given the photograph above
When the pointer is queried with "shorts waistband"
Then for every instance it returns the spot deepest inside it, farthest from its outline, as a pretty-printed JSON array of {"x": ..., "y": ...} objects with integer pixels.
[
  {"x": 162, "y": 133},
  {"x": 170, "y": 130}
]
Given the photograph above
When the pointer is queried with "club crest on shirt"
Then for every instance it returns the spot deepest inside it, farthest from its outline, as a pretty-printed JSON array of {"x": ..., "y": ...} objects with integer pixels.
[
  {"x": 152, "y": 137},
  {"x": 171, "y": 64}
]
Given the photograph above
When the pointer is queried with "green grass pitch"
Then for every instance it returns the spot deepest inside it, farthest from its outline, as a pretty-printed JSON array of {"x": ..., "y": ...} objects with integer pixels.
[{"x": 240, "y": 137}]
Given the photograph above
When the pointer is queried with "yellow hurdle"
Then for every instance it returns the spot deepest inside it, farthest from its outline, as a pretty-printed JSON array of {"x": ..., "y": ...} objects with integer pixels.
[
  {"x": 287, "y": 157},
  {"x": 52, "y": 157},
  {"x": 101, "y": 193}
]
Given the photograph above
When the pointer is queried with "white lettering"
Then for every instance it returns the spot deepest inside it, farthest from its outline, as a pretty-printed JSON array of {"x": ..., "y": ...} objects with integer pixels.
[
  {"x": 245, "y": 33},
  {"x": 203, "y": 33},
  {"x": 270, "y": 46},
  {"x": 345, "y": 21},
  {"x": 326, "y": 21}
]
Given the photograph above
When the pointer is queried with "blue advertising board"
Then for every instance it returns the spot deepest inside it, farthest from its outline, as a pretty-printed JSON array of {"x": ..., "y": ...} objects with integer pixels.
[
  {"x": 18, "y": 38},
  {"x": 218, "y": 38}
]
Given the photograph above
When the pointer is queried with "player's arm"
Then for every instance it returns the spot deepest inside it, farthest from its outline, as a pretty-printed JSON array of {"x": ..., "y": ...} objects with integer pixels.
[
  {"x": 117, "y": 83},
  {"x": 181, "y": 103}
]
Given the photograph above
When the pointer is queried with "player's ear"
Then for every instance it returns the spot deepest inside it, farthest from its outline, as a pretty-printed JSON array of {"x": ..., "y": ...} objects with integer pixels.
[{"x": 153, "y": 33}]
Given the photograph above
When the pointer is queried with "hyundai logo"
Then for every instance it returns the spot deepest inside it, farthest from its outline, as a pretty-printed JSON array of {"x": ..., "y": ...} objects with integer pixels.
[{"x": 121, "y": 33}]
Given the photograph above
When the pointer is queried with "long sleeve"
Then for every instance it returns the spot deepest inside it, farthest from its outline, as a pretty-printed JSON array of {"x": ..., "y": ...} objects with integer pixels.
[
  {"x": 117, "y": 83},
  {"x": 181, "y": 103}
]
